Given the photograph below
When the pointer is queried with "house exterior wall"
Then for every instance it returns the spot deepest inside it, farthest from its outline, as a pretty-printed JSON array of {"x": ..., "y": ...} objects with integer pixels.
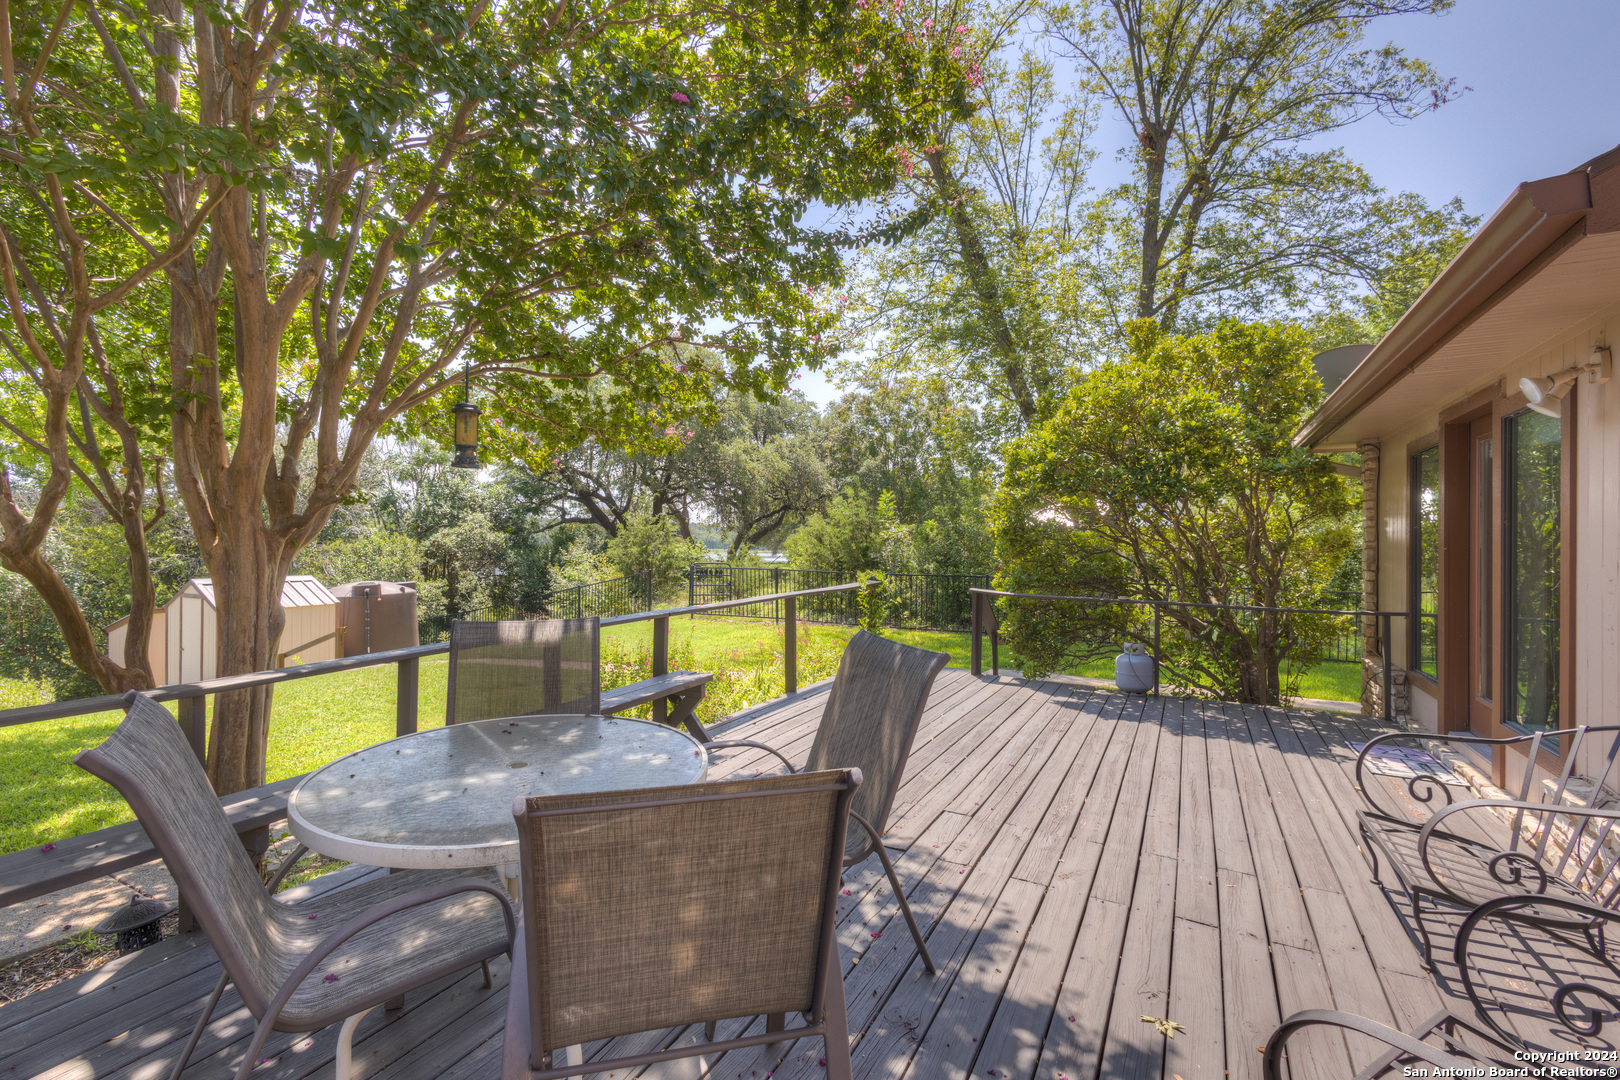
[{"x": 1591, "y": 548}]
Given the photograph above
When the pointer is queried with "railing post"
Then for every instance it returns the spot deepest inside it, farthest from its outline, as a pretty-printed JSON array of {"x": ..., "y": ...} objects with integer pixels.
[
  {"x": 995, "y": 638},
  {"x": 194, "y": 721},
  {"x": 975, "y": 650},
  {"x": 660, "y": 663},
  {"x": 1389, "y": 706},
  {"x": 790, "y": 646},
  {"x": 691, "y": 584},
  {"x": 405, "y": 697},
  {"x": 1157, "y": 610}
]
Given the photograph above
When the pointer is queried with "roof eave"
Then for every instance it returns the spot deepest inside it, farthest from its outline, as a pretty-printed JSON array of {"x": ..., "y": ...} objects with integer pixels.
[{"x": 1530, "y": 223}]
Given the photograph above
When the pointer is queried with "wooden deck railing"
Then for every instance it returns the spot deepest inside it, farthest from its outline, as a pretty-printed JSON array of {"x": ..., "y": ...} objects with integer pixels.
[
  {"x": 193, "y": 696},
  {"x": 27, "y": 874},
  {"x": 984, "y": 621}
]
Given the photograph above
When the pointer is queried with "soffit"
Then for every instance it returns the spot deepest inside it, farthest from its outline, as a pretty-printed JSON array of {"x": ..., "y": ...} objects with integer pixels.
[{"x": 1580, "y": 282}]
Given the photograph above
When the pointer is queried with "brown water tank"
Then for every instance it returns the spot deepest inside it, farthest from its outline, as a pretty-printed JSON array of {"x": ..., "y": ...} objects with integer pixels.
[{"x": 377, "y": 616}]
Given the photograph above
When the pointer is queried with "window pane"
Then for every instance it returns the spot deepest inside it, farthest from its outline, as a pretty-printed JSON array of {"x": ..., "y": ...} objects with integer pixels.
[
  {"x": 1532, "y": 460},
  {"x": 1426, "y": 560}
]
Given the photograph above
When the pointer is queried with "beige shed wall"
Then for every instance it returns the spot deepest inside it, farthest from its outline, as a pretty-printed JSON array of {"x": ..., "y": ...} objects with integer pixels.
[{"x": 307, "y": 624}]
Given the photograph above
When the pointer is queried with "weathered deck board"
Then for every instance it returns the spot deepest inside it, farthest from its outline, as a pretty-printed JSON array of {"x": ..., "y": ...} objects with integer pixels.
[{"x": 1077, "y": 859}]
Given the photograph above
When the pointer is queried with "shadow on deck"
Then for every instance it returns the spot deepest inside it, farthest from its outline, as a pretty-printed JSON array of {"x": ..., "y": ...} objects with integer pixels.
[{"x": 1080, "y": 859}]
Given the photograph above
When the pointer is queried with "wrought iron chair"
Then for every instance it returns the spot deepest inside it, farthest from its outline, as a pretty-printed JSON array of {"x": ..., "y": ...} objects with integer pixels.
[
  {"x": 523, "y": 667},
  {"x": 620, "y": 889},
  {"x": 1575, "y": 1001},
  {"x": 873, "y": 710},
  {"x": 297, "y": 967},
  {"x": 1433, "y": 860},
  {"x": 1435, "y": 1042}
]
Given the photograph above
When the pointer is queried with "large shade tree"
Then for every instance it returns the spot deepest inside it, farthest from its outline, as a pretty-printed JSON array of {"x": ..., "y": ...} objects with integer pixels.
[
  {"x": 333, "y": 212},
  {"x": 1172, "y": 476}
]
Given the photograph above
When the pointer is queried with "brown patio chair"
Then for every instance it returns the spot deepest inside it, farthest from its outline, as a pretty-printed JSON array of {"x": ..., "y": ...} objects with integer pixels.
[
  {"x": 523, "y": 667},
  {"x": 297, "y": 967},
  {"x": 873, "y": 710},
  {"x": 621, "y": 890}
]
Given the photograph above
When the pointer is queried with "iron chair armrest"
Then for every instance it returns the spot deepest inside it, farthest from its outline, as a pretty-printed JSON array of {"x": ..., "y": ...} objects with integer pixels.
[
  {"x": 1523, "y": 859},
  {"x": 1399, "y": 1042},
  {"x": 1504, "y": 906},
  {"x": 728, "y": 744},
  {"x": 376, "y": 913},
  {"x": 1411, "y": 787}
]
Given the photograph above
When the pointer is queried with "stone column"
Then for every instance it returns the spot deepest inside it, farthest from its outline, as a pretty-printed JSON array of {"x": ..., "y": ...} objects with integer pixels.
[{"x": 1372, "y": 657}]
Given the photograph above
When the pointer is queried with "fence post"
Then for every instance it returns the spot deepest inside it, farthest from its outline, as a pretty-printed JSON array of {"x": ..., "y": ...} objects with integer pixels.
[
  {"x": 405, "y": 697},
  {"x": 1389, "y": 705},
  {"x": 975, "y": 650},
  {"x": 194, "y": 721},
  {"x": 995, "y": 639},
  {"x": 691, "y": 584},
  {"x": 660, "y": 663},
  {"x": 1157, "y": 610},
  {"x": 790, "y": 646}
]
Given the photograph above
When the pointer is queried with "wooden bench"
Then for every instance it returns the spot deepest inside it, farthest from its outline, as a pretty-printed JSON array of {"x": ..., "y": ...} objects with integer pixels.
[
  {"x": 682, "y": 689},
  {"x": 35, "y": 871}
]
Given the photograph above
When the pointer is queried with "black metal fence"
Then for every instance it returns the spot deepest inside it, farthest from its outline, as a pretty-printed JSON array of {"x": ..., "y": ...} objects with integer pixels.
[
  {"x": 1345, "y": 647},
  {"x": 915, "y": 601},
  {"x": 714, "y": 583},
  {"x": 600, "y": 599}
]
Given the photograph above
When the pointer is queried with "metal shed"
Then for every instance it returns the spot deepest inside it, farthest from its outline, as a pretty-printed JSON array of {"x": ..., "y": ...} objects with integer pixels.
[{"x": 185, "y": 631}]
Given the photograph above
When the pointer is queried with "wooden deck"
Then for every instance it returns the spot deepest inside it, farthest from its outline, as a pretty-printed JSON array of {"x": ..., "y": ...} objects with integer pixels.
[{"x": 1079, "y": 859}]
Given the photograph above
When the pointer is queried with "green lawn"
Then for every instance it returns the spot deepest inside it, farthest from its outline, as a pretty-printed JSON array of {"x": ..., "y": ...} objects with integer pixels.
[{"x": 43, "y": 797}]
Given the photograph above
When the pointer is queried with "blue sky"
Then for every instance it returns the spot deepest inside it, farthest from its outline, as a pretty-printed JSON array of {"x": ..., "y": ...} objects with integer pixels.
[{"x": 1545, "y": 78}]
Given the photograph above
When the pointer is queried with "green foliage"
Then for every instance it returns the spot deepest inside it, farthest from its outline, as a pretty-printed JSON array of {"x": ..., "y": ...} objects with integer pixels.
[
  {"x": 651, "y": 543},
  {"x": 1173, "y": 476},
  {"x": 875, "y": 601},
  {"x": 374, "y": 555},
  {"x": 849, "y": 535}
]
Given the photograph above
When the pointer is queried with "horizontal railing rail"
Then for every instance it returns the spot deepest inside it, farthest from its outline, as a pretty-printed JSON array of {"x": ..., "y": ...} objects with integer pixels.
[
  {"x": 193, "y": 695},
  {"x": 913, "y": 601},
  {"x": 983, "y": 616}
]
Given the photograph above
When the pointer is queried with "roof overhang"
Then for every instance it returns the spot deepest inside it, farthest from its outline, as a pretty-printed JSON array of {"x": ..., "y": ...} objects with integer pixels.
[{"x": 1547, "y": 258}]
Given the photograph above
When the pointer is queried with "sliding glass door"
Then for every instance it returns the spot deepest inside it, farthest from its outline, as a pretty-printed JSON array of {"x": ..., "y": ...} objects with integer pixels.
[{"x": 1532, "y": 569}]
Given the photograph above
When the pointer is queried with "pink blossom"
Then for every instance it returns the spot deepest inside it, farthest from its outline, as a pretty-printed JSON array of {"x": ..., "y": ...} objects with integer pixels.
[
  {"x": 957, "y": 51},
  {"x": 962, "y": 29},
  {"x": 680, "y": 97},
  {"x": 48, "y": 847},
  {"x": 928, "y": 24}
]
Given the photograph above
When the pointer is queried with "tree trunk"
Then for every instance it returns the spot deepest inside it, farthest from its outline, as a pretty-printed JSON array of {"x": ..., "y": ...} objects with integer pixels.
[{"x": 981, "y": 276}]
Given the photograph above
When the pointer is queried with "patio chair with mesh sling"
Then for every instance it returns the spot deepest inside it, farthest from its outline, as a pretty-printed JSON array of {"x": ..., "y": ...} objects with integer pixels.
[
  {"x": 523, "y": 667},
  {"x": 297, "y": 967},
  {"x": 873, "y": 710},
  {"x": 621, "y": 894}
]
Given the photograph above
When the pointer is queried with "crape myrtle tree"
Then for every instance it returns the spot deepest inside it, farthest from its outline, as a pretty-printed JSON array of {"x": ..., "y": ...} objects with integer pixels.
[
  {"x": 1173, "y": 476},
  {"x": 341, "y": 209}
]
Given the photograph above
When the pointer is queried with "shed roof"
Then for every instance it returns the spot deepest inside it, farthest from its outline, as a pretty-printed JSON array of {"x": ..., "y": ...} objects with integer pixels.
[{"x": 298, "y": 590}]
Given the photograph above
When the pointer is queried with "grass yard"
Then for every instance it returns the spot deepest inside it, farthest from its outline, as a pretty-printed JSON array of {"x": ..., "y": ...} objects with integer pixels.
[{"x": 314, "y": 721}]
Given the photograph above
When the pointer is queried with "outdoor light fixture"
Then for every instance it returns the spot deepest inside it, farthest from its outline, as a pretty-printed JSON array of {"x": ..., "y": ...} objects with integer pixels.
[
  {"x": 466, "y": 426},
  {"x": 1545, "y": 393}
]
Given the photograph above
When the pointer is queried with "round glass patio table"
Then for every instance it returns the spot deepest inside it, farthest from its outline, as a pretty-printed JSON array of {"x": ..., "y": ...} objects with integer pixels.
[{"x": 442, "y": 798}]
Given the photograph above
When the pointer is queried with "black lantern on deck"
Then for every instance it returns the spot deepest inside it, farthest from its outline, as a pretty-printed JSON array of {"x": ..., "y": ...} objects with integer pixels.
[
  {"x": 136, "y": 925},
  {"x": 466, "y": 427}
]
